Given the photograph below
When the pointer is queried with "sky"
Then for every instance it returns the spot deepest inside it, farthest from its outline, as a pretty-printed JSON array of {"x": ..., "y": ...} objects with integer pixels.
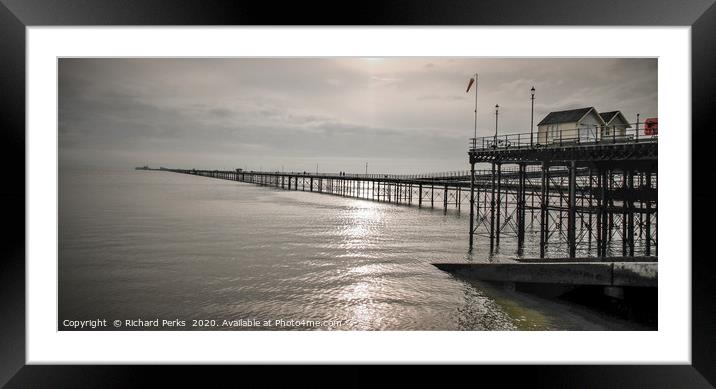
[{"x": 398, "y": 115}]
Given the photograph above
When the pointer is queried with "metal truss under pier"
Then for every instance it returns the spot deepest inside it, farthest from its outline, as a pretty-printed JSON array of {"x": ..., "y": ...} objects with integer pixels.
[{"x": 580, "y": 198}]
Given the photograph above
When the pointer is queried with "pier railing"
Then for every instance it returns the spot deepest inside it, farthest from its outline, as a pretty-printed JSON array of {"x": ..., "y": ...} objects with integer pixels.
[
  {"x": 456, "y": 174},
  {"x": 446, "y": 176},
  {"x": 565, "y": 137}
]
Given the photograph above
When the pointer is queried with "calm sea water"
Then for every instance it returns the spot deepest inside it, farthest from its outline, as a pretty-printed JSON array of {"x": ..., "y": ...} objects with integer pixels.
[{"x": 158, "y": 245}]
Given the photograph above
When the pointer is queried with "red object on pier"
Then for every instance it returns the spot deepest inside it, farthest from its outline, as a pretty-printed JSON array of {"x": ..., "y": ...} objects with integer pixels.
[{"x": 651, "y": 126}]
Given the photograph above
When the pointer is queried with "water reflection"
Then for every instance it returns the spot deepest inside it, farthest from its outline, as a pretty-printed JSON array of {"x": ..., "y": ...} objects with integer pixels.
[{"x": 361, "y": 227}]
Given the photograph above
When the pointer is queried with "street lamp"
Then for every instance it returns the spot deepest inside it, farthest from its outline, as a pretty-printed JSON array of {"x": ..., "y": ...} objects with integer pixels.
[
  {"x": 497, "y": 110},
  {"x": 532, "y": 116},
  {"x": 637, "y": 126}
]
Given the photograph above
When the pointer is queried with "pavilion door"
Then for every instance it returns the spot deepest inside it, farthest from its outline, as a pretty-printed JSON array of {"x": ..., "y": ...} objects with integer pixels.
[{"x": 587, "y": 134}]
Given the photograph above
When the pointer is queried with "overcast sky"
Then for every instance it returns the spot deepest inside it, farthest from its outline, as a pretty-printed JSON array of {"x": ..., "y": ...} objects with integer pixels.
[{"x": 398, "y": 114}]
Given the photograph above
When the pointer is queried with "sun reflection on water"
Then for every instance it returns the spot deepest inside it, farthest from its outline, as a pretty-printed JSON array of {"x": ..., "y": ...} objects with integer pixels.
[
  {"x": 363, "y": 225},
  {"x": 361, "y": 298}
]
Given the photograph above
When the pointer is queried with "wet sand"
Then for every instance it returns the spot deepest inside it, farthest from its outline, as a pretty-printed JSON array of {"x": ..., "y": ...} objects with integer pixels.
[{"x": 534, "y": 313}]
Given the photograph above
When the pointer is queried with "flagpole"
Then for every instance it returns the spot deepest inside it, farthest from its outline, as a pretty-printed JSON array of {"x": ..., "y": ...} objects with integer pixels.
[
  {"x": 472, "y": 175},
  {"x": 475, "y": 135}
]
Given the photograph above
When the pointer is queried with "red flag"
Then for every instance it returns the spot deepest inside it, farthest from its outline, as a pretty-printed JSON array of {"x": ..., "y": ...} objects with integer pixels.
[{"x": 472, "y": 80}]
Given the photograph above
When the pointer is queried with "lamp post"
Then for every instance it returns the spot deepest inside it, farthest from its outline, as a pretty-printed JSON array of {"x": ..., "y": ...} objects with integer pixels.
[
  {"x": 497, "y": 111},
  {"x": 532, "y": 116},
  {"x": 474, "y": 139}
]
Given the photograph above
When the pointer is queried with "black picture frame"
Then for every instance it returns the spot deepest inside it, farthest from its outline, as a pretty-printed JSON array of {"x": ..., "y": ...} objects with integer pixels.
[{"x": 16, "y": 15}]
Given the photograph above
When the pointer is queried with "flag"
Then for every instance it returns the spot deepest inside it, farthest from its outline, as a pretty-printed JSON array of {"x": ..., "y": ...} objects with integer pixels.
[{"x": 472, "y": 80}]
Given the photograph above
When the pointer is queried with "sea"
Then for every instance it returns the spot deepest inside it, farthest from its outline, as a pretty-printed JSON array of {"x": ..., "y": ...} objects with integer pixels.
[{"x": 156, "y": 250}]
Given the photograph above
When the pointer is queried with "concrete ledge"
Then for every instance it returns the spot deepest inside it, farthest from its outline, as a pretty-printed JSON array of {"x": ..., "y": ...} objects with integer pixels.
[
  {"x": 594, "y": 273},
  {"x": 635, "y": 274},
  {"x": 587, "y": 259}
]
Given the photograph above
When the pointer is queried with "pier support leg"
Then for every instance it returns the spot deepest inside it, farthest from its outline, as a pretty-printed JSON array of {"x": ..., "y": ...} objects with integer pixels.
[
  {"x": 498, "y": 227},
  {"x": 420, "y": 195},
  {"x": 458, "y": 197},
  {"x": 647, "y": 249},
  {"x": 521, "y": 208},
  {"x": 590, "y": 192},
  {"x": 544, "y": 202},
  {"x": 492, "y": 210},
  {"x": 625, "y": 213},
  {"x": 432, "y": 196},
  {"x": 472, "y": 202},
  {"x": 630, "y": 215},
  {"x": 600, "y": 199},
  {"x": 610, "y": 212},
  {"x": 572, "y": 213},
  {"x": 445, "y": 199},
  {"x": 605, "y": 223}
]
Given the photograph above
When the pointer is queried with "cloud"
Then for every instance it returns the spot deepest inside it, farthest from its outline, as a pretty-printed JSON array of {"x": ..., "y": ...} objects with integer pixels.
[
  {"x": 446, "y": 98},
  {"x": 234, "y": 111}
]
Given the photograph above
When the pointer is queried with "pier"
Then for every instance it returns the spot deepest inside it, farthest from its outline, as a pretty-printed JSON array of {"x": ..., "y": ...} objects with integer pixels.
[
  {"x": 590, "y": 204},
  {"x": 584, "y": 197},
  {"x": 449, "y": 190},
  {"x": 588, "y": 193}
]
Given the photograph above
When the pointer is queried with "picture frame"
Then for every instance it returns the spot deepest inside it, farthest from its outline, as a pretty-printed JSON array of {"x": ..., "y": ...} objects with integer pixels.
[{"x": 16, "y": 15}]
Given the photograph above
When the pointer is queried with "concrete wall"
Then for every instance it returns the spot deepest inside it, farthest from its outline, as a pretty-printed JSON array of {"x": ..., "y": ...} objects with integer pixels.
[{"x": 641, "y": 274}]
